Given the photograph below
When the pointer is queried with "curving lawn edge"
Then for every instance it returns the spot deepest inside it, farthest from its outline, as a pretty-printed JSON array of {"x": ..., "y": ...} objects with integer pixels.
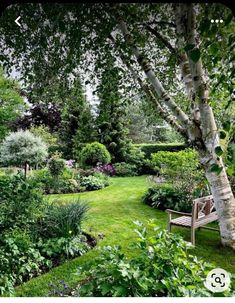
[{"x": 112, "y": 211}]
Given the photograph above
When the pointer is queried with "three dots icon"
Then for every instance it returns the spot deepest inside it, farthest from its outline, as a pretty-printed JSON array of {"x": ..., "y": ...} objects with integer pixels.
[{"x": 217, "y": 21}]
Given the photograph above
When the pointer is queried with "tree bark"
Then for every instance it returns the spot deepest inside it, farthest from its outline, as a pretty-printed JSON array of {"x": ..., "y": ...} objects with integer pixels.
[{"x": 219, "y": 184}]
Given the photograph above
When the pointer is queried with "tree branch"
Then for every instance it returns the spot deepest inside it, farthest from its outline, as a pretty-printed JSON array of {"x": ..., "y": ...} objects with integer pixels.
[
  {"x": 163, "y": 113},
  {"x": 145, "y": 65}
]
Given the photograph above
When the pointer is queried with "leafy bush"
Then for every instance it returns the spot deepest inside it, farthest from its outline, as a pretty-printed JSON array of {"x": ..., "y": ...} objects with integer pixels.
[
  {"x": 44, "y": 179},
  {"x": 165, "y": 196},
  {"x": 67, "y": 186},
  {"x": 21, "y": 148},
  {"x": 125, "y": 169},
  {"x": 165, "y": 162},
  {"x": 92, "y": 183},
  {"x": 56, "y": 166},
  {"x": 85, "y": 172},
  {"x": 19, "y": 260},
  {"x": 93, "y": 154},
  {"x": 62, "y": 184},
  {"x": 181, "y": 169},
  {"x": 149, "y": 149},
  {"x": 63, "y": 248},
  {"x": 162, "y": 267},
  {"x": 136, "y": 157},
  {"x": 61, "y": 220},
  {"x": 107, "y": 169},
  {"x": 21, "y": 202}
]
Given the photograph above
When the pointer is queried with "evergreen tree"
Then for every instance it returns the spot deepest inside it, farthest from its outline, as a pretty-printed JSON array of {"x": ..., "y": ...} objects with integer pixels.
[
  {"x": 77, "y": 122},
  {"x": 112, "y": 121}
]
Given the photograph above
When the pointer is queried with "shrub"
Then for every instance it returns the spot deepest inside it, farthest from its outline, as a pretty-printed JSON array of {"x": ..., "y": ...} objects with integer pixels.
[
  {"x": 85, "y": 172},
  {"x": 67, "y": 186},
  {"x": 93, "y": 154},
  {"x": 124, "y": 169},
  {"x": 44, "y": 179},
  {"x": 19, "y": 260},
  {"x": 165, "y": 196},
  {"x": 149, "y": 149},
  {"x": 162, "y": 267},
  {"x": 22, "y": 148},
  {"x": 136, "y": 157},
  {"x": 61, "y": 220},
  {"x": 62, "y": 248},
  {"x": 181, "y": 169},
  {"x": 21, "y": 202},
  {"x": 92, "y": 183},
  {"x": 56, "y": 166},
  {"x": 107, "y": 169}
]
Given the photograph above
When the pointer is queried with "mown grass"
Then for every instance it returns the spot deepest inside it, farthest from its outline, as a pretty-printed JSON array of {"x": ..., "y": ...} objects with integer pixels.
[{"x": 112, "y": 212}]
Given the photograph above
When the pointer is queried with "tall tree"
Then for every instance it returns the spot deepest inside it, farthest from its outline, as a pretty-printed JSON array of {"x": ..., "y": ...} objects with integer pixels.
[
  {"x": 12, "y": 105},
  {"x": 77, "y": 121},
  {"x": 112, "y": 118}
]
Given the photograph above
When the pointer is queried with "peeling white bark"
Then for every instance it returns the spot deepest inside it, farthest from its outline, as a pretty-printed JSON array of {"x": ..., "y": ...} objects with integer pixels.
[{"x": 219, "y": 184}]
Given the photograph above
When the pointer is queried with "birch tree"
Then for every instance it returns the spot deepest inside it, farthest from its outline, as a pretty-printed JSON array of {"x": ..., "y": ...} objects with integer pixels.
[
  {"x": 202, "y": 131},
  {"x": 144, "y": 39}
]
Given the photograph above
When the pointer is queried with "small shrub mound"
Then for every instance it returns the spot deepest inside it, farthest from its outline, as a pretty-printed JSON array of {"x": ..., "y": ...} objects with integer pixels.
[
  {"x": 93, "y": 154},
  {"x": 93, "y": 183},
  {"x": 56, "y": 166},
  {"x": 165, "y": 196},
  {"x": 163, "y": 268},
  {"x": 125, "y": 169}
]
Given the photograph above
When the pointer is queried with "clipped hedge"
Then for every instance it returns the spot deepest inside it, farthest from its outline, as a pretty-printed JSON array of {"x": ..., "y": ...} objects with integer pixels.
[{"x": 149, "y": 149}]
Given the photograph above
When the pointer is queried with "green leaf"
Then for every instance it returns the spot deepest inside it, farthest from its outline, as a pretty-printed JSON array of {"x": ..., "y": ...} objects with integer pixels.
[
  {"x": 195, "y": 54},
  {"x": 215, "y": 168},
  {"x": 222, "y": 134},
  {"x": 218, "y": 151},
  {"x": 226, "y": 126},
  {"x": 205, "y": 25},
  {"x": 230, "y": 171},
  {"x": 228, "y": 20},
  {"x": 189, "y": 47}
]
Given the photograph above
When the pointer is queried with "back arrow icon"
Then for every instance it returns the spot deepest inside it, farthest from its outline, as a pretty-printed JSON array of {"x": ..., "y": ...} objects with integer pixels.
[{"x": 16, "y": 21}]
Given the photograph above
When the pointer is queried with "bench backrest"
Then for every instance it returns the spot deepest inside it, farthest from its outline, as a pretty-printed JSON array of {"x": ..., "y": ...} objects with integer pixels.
[{"x": 203, "y": 207}]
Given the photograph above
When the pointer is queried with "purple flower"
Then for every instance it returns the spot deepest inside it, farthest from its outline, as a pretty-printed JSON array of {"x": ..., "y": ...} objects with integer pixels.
[
  {"x": 70, "y": 163},
  {"x": 107, "y": 169}
]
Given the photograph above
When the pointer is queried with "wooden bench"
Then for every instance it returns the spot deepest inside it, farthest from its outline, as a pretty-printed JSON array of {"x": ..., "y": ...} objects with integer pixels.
[{"x": 203, "y": 212}]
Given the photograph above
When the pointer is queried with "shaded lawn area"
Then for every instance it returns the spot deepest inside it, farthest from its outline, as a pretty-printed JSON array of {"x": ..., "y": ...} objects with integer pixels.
[{"x": 111, "y": 213}]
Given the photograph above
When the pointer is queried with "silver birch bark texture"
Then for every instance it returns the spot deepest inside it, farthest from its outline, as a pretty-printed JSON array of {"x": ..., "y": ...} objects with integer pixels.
[{"x": 219, "y": 184}]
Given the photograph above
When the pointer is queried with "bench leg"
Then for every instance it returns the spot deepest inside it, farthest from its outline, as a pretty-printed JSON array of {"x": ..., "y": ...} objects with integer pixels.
[
  {"x": 169, "y": 227},
  {"x": 193, "y": 236}
]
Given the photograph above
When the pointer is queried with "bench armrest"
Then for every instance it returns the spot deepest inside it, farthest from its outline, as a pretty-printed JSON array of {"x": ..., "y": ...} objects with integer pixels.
[{"x": 171, "y": 211}]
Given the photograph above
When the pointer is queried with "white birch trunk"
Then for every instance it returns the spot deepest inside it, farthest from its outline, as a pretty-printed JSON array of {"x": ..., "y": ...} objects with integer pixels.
[{"x": 219, "y": 184}]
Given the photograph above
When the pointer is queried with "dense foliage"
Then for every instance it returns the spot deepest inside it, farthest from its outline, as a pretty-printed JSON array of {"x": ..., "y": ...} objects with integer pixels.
[
  {"x": 34, "y": 234},
  {"x": 12, "y": 104},
  {"x": 22, "y": 148},
  {"x": 93, "y": 154},
  {"x": 164, "y": 196},
  {"x": 164, "y": 268}
]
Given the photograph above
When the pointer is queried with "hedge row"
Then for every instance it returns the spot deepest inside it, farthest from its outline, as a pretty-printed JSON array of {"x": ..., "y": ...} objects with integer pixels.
[{"x": 149, "y": 149}]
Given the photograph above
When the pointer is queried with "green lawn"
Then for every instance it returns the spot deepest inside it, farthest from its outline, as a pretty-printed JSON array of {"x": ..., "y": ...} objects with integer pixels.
[{"x": 112, "y": 211}]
